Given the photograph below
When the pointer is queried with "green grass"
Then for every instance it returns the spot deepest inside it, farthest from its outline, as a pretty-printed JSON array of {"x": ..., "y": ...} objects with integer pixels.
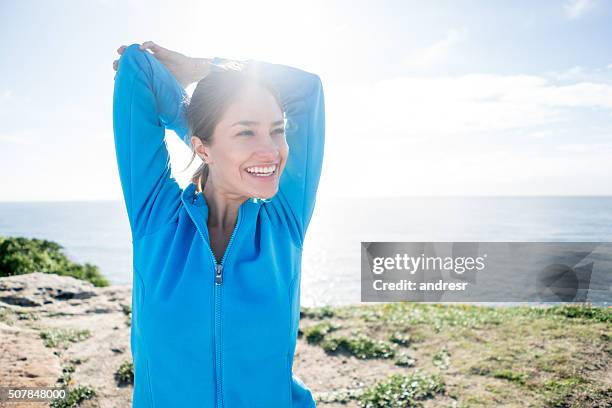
[
  {"x": 441, "y": 359},
  {"x": 66, "y": 378},
  {"x": 552, "y": 356},
  {"x": 322, "y": 312},
  {"x": 127, "y": 311},
  {"x": 404, "y": 360},
  {"x": 125, "y": 373},
  {"x": 588, "y": 313},
  {"x": 442, "y": 316},
  {"x": 74, "y": 394},
  {"x": 359, "y": 345},
  {"x": 519, "y": 378},
  {"x": 316, "y": 333},
  {"x": 399, "y": 391},
  {"x": 23, "y": 315},
  {"x": 63, "y": 337},
  {"x": 74, "y": 397},
  {"x": 400, "y": 338}
]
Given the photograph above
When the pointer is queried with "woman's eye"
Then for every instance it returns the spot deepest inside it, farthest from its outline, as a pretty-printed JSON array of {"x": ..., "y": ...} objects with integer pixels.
[{"x": 250, "y": 132}]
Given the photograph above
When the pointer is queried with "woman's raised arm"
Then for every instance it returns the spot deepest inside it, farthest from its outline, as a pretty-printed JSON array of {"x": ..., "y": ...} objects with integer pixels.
[
  {"x": 302, "y": 97},
  {"x": 147, "y": 99}
]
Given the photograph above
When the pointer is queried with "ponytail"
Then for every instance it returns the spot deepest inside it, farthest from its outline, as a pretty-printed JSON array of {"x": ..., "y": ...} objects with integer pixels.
[{"x": 201, "y": 174}]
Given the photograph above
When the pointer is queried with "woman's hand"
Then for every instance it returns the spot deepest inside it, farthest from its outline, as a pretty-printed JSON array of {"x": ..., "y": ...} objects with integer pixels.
[{"x": 185, "y": 69}]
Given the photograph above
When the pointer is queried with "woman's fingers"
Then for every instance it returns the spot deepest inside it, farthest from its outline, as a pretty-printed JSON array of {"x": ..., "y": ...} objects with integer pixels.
[
  {"x": 150, "y": 45},
  {"x": 116, "y": 62},
  {"x": 147, "y": 45}
]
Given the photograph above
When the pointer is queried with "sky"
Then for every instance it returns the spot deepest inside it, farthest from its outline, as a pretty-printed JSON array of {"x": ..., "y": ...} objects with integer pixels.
[{"x": 436, "y": 98}]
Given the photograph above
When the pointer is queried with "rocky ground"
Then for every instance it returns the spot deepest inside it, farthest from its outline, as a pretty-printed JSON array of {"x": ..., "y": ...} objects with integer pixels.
[
  {"x": 38, "y": 303},
  {"x": 55, "y": 328}
]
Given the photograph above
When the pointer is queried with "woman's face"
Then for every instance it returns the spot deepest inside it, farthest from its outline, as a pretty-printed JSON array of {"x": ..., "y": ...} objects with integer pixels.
[{"x": 248, "y": 150}]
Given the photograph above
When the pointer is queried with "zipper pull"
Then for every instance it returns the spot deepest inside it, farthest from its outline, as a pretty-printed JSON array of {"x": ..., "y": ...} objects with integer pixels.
[{"x": 219, "y": 274}]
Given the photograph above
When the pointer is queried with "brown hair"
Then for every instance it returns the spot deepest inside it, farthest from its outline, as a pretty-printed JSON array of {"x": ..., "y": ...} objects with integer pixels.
[{"x": 209, "y": 101}]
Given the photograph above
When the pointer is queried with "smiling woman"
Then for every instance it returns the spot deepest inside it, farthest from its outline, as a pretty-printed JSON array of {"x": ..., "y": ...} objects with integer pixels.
[
  {"x": 208, "y": 330},
  {"x": 225, "y": 103}
]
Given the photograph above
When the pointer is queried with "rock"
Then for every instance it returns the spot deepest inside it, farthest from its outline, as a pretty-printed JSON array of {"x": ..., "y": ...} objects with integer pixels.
[{"x": 37, "y": 289}]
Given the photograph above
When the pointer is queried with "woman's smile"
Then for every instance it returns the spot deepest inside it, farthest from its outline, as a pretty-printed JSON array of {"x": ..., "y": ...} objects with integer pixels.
[{"x": 263, "y": 173}]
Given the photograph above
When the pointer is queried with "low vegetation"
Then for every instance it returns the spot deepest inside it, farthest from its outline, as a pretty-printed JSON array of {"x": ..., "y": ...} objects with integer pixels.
[
  {"x": 359, "y": 345},
  {"x": 402, "y": 391},
  {"x": 63, "y": 337},
  {"x": 19, "y": 255},
  {"x": 74, "y": 397},
  {"x": 125, "y": 374},
  {"x": 469, "y": 355},
  {"x": 75, "y": 394}
]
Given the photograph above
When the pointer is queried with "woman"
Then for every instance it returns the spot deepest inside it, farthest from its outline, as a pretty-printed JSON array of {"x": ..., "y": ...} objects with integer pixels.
[{"x": 217, "y": 266}]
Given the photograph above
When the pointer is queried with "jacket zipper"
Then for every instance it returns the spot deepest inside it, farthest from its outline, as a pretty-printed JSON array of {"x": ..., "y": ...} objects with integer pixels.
[{"x": 218, "y": 293}]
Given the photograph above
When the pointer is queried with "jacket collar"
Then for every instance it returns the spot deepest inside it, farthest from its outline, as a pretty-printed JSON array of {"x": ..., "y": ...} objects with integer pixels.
[{"x": 197, "y": 208}]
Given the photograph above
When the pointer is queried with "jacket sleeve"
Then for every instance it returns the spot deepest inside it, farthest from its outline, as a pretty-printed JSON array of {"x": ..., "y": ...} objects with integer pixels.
[
  {"x": 301, "y": 395},
  {"x": 147, "y": 99},
  {"x": 302, "y": 97}
]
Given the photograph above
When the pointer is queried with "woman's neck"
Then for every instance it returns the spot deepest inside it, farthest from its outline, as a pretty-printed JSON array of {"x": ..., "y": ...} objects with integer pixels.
[{"x": 222, "y": 207}]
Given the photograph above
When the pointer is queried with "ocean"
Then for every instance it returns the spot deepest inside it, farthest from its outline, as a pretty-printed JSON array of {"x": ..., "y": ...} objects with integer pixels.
[{"x": 98, "y": 231}]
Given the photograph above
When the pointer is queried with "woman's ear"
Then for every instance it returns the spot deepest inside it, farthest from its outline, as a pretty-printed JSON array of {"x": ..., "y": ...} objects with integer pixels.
[{"x": 200, "y": 148}]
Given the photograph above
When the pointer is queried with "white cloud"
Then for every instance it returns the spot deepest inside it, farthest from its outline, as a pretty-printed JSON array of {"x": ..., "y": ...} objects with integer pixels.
[
  {"x": 437, "y": 52},
  {"x": 446, "y": 106},
  {"x": 470, "y": 134},
  {"x": 541, "y": 134},
  {"x": 19, "y": 138},
  {"x": 342, "y": 27},
  {"x": 592, "y": 148},
  {"x": 581, "y": 73},
  {"x": 577, "y": 8},
  {"x": 394, "y": 167},
  {"x": 574, "y": 73}
]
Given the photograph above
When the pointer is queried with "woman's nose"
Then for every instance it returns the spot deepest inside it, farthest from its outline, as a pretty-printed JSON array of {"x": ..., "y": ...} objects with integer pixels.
[{"x": 268, "y": 147}]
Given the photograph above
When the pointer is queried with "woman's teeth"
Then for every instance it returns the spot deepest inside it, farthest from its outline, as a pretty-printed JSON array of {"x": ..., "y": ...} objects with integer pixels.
[{"x": 262, "y": 171}]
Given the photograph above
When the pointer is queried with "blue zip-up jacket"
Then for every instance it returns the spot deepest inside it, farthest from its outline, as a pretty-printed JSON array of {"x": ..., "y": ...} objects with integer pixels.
[{"x": 205, "y": 334}]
